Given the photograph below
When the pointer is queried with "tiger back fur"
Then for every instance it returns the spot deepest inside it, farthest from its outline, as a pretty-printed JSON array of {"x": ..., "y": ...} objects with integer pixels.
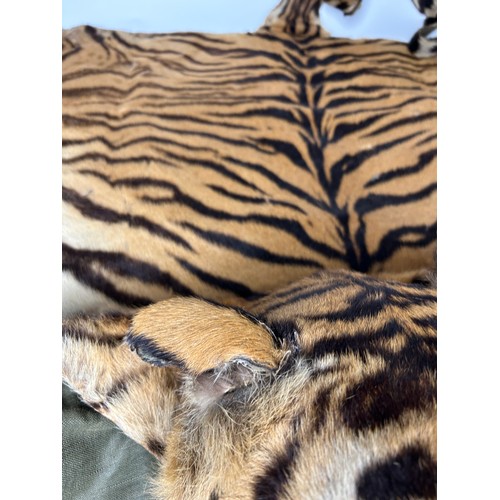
[{"x": 226, "y": 166}]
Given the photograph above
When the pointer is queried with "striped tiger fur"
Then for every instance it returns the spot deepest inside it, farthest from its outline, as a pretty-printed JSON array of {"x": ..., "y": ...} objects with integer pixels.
[
  {"x": 323, "y": 390},
  {"x": 226, "y": 166}
]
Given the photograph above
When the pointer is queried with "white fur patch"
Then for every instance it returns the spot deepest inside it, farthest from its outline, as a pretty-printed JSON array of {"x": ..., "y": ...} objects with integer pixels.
[{"x": 77, "y": 298}]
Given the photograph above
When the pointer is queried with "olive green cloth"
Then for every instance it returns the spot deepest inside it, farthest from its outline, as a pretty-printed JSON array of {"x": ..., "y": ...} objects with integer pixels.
[{"x": 99, "y": 461}]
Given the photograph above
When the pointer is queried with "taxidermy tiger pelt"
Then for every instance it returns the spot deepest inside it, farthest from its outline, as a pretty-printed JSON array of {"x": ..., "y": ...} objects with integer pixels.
[{"x": 278, "y": 189}]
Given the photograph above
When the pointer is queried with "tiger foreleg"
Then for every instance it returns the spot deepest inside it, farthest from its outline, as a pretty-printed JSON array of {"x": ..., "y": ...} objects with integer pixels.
[
  {"x": 110, "y": 378},
  {"x": 421, "y": 44}
]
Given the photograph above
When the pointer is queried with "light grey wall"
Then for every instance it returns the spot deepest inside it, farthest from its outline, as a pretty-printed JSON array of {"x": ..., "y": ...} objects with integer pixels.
[{"x": 393, "y": 19}]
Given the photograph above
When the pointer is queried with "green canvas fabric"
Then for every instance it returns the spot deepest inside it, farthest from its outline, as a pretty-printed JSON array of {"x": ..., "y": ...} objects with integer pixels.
[{"x": 98, "y": 461}]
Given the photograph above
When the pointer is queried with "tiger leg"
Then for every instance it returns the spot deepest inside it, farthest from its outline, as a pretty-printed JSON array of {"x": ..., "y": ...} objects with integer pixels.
[
  {"x": 301, "y": 17},
  {"x": 110, "y": 378},
  {"x": 421, "y": 45}
]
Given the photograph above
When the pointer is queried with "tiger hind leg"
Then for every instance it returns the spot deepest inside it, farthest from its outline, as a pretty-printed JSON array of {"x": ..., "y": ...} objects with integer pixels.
[{"x": 301, "y": 17}]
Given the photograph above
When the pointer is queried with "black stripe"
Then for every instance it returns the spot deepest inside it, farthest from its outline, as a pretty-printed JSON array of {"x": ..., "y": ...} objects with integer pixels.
[
  {"x": 430, "y": 21},
  {"x": 96, "y": 36},
  {"x": 418, "y": 352},
  {"x": 220, "y": 169},
  {"x": 116, "y": 161},
  {"x": 348, "y": 163},
  {"x": 374, "y": 202},
  {"x": 396, "y": 107},
  {"x": 130, "y": 181},
  {"x": 345, "y": 101},
  {"x": 168, "y": 38},
  {"x": 430, "y": 138},
  {"x": 289, "y": 226},
  {"x": 82, "y": 73},
  {"x": 190, "y": 34},
  {"x": 281, "y": 183},
  {"x": 362, "y": 342},
  {"x": 117, "y": 147},
  {"x": 267, "y": 77},
  {"x": 148, "y": 351},
  {"x": 340, "y": 76},
  {"x": 344, "y": 129},
  {"x": 400, "y": 123},
  {"x": 285, "y": 43},
  {"x": 118, "y": 389},
  {"x": 161, "y": 140},
  {"x": 177, "y": 197},
  {"x": 268, "y": 112},
  {"x": 394, "y": 240},
  {"x": 271, "y": 484},
  {"x": 284, "y": 332},
  {"x": 315, "y": 292},
  {"x": 235, "y": 53},
  {"x": 89, "y": 209},
  {"x": 249, "y": 249},
  {"x": 68, "y": 53},
  {"x": 253, "y": 200},
  {"x": 80, "y": 334},
  {"x": 423, "y": 160},
  {"x": 82, "y": 265},
  {"x": 366, "y": 304},
  {"x": 427, "y": 322},
  {"x": 78, "y": 122},
  {"x": 406, "y": 379},
  {"x": 321, "y": 405},
  {"x": 197, "y": 91},
  {"x": 84, "y": 271},
  {"x": 218, "y": 282},
  {"x": 368, "y": 89},
  {"x": 122, "y": 265},
  {"x": 382, "y": 46},
  {"x": 288, "y": 150},
  {"x": 193, "y": 203},
  {"x": 155, "y": 446},
  {"x": 410, "y": 473}
]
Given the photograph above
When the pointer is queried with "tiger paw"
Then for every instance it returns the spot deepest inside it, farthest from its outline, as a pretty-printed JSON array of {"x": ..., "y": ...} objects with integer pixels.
[{"x": 198, "y": 336}]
